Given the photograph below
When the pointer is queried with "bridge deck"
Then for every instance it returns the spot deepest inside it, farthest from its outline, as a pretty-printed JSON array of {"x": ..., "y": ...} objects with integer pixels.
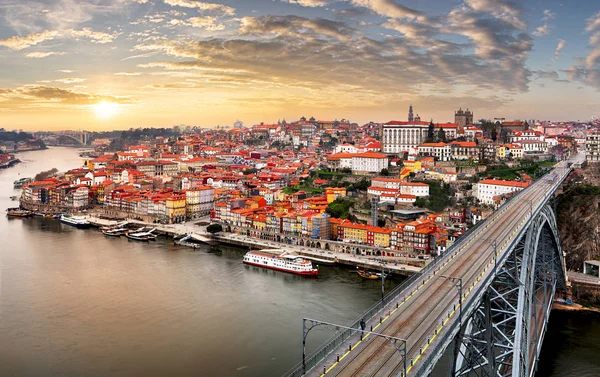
[{"x": 425, "y": 315}]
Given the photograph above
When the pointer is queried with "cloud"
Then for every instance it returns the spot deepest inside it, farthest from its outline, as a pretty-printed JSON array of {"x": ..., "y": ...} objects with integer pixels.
[
  {"x": 128, "y": 73},
  {"x": 70, "y": 80},
  {"x": 294, "y": 26},
  {"x": 207, "y": 22},
  {"x": 23, "y": 42},
  {"x": 587, "y": 70},
  {"x": 32, "y": 95},
  {"x": 203, "y": 6},
  {"x": 542, "y": 30},
  {"x": 389, "y": 8},
  {"x": 550, "y": 75},
  {"x": 309, "y": 3},
  {"x": 36, "y": 15},
  {"x": 548, "y": 15},
  {"x": 66, "y": 70},
  {"x": 559, "y": 47},
  {"x": 39, "y": 55}
]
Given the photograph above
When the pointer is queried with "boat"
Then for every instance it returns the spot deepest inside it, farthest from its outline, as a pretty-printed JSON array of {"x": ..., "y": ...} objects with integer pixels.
[
  {"x": 76, "y": 221},
  {"x": 17, "y": 212},
  {"x": 20, "y": 182},
  {"x": 142, "y": 236},
  {"x": 115, "y": 232},
  {"x": 188, "y": 241},
  {"x": 284, "y": 262},
  {"x": 369, "y": 275}
]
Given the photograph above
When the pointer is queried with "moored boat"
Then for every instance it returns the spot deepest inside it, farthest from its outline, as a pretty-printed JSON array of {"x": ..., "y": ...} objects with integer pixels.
[
  {"x": 281, "y": 262},
  {"x": 20, "y": 182},
  {"x": 369, "y": 275},
  {"x": 142, "y": 236},
  {"x": 17, "y": 212},
  {"x": 76, "y": 221},
  {"x": 115, "y": 232}
]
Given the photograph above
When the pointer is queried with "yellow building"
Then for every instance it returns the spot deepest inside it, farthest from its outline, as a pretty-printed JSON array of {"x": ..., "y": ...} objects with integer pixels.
[
  {"x": 355, "y": 233},
  {"x": 501, "y": 151},
  {"x": 259, "y": 222},
  {"x": 175, "y": 208},
  {"x": 332, "y": 193}
]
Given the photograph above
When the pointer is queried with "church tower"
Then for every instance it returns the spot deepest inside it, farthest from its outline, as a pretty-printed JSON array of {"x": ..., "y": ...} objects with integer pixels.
[{"x": 410, "y": 114}]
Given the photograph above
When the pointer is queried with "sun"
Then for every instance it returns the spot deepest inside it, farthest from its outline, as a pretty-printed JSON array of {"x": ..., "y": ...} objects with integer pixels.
[{"x": 106, "y": 109}]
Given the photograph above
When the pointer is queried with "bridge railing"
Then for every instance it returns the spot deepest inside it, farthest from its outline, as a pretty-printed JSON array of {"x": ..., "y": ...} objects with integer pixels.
[{"x": 338, "y": 339}]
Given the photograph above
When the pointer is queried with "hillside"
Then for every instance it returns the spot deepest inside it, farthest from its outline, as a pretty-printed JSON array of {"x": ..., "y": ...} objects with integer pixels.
[{"x": 578, "y": 217}]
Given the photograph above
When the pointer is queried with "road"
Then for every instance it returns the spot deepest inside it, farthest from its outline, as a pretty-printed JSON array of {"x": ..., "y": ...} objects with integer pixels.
[{"x": 430, "y": 304}]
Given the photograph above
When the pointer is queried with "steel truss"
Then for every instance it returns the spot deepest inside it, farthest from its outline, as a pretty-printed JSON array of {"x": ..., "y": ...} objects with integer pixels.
[{"x": 503, "y": 335}]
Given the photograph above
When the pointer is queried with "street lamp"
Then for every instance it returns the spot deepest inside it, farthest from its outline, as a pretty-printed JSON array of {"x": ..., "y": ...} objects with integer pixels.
[
  {"x": 383, "y": 278},
  {"x": 309, "y": 324},
  {"x": 459, "y": 286},
  {"x": 493, "y": 243}
]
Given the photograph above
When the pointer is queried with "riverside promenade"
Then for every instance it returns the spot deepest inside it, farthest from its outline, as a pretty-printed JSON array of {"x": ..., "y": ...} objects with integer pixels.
[{"x": 393, "y": 265}]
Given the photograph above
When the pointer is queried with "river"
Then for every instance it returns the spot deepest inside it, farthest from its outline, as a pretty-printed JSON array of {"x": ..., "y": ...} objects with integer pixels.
[{"x": 75, "y": 303}]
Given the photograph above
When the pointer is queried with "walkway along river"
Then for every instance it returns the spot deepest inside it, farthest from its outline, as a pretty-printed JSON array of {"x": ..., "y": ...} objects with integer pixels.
[{"x": 75, "y": 303}]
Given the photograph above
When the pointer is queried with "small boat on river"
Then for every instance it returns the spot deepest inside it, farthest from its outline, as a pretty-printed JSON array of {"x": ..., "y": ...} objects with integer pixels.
[
  {"x": 17, "y": 212},
  {"x": 115, "y": 232},
  {"x": 285, "y": 262},
  {"x": 369, "y": 275},
  {"x": 76, "y": 221},
  {"x": 142, "y": 236}
]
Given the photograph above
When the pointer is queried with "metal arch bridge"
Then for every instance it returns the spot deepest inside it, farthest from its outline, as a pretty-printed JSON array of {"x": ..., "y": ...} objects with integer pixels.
[{"x": 487, "y": 300}]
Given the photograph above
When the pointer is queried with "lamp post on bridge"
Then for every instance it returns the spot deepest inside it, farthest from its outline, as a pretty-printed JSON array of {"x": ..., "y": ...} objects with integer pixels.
[
  {"x": 383, "y": 262},
  {"x": 309, "y": 324},
  {"x": 458, "y": 286},
  {"x": 494, "y": 243}
]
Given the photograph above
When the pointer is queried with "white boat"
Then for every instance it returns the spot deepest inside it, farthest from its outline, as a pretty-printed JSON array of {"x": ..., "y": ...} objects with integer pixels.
[
  {"x": 76, "y": 221},
  {"x": 142, "y": 236},
  {"x": 281, "y": 262},
  {"x": 115, "y": 232}
]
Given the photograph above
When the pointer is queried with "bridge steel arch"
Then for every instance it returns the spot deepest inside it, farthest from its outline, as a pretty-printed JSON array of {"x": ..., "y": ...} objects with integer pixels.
[{"x": 503, "y": 332}]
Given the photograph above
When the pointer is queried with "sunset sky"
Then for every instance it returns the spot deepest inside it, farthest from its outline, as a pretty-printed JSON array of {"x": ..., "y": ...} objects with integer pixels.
[{"x": 105, "y": 64}]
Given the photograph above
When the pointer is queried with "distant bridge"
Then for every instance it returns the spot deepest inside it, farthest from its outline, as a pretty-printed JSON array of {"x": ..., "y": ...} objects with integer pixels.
[{"x": 487, "y": 299}]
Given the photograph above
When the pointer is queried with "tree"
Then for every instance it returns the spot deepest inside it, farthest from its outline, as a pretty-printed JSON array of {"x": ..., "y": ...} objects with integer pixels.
[
  {"x": 385, "y": 172},
  {"x": 214, "y": 228},
  {"x": 430, "y": 134},
  {"x": 441, "y": 135},
  {"x": 340, "y": 208},
  {"x": 420, "y": 202},
  {"x": 494, "y": 134}
]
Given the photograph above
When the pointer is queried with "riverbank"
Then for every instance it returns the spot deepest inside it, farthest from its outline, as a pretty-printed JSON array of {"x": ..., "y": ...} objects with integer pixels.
[
  {"x": 317, "y": 255},
  {"x": 574, "y": 308}
]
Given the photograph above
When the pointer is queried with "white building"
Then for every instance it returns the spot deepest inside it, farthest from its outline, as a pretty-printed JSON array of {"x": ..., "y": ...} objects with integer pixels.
[
  {"x": 199, "y": 201},
  {"x": 533, "y": 146},
  {"x": 366, "y": 162},
  {"x": 81, "y": 197},
  {"x": 486, "y": 190},
  {"x": 592, "y": 147},
  {"x": 381, "y": 186},
  {"x": 399, "y": 137},
  {"x": 346, "y": 148},
  {"x": 441, "y": 151}
]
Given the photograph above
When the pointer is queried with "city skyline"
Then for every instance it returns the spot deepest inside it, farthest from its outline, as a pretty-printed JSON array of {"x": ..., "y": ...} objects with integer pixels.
[{"x": 101, "y": 65}]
